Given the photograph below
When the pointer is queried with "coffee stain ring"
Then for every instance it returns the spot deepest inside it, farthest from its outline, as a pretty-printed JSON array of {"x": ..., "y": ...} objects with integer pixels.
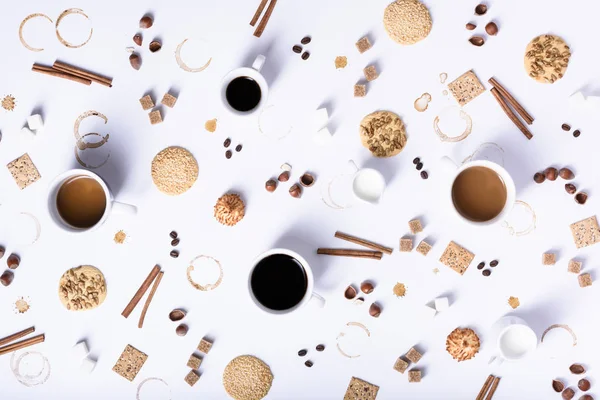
[
  {"x": 38, "y": 226},
  {"x": 22, "y": 39},
  {"x": 463, "y": 135},
  {"x": 209, "y": 286},
  {"x": 60, "y": 18},
  {"x": 183, "y": 65},
  {"x": 80, "y": 161}
]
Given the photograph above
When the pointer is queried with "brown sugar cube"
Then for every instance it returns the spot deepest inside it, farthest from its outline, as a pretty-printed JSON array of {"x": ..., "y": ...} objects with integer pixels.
[
  {"x": 414, "y": 376},
  {"x": 406, "y": 244},
  {"x": 147, "y": 102},
  {"x": 371, "y": 73},
  {"x": 192, "y": 377},
  {"x": 415, "y": 226},
  {"x": 401, "y": 365},
  {"x": 360, "y": 90},
  {"x": 205, "y": 345},
  {"x": 548, "y": 258},
  {"x": 155, "y": 117},
  {"x": 169, "y": 100},
  {"x": 413, "y": 355},
  {"x": 23, "y": 171},
  {"x": 361, "y": 390},
  {"x": 363, "y": 45},
  {"x": 586, "y": 232},
  {"x": 423, "y": 247},
  {"x": 585, "y": 280},
  {"x": 130, "y": 362},
  {"x": 466, "y": 87},
  {"x": 575, "y": 266},
  {"x": 194, "y": 361},
  {"x": 457, "y": 257}
]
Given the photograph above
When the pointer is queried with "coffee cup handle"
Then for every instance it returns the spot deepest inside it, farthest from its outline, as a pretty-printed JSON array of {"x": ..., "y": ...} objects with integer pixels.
[
  {"x": 258, "y": 62},
  {"x": 123, "y": 208},
  {"x": 318, "y": 300},
  {"x": 497, "y": 359}
]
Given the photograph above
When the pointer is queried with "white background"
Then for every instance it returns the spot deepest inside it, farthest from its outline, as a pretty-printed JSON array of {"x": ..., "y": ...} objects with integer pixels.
[{"x": 548, "y": 294}]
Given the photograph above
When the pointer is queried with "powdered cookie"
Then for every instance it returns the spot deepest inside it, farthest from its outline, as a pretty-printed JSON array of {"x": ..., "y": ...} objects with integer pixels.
[
  {"x": 547, "y": 58},
  {"x": 247, "y": 378},
  {"x": 230, "y": 209},
  {"x": 174, "y": 170},
  {"x": 82, "y": 288},
  {"x": 383, "y": 133},
  {"x": 407, "y": 21}
]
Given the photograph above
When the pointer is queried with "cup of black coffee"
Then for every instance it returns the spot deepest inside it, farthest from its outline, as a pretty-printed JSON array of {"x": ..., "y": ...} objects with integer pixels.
[
  {"x": 281, "y": 282},
  {"x": 245, "y": 90}
]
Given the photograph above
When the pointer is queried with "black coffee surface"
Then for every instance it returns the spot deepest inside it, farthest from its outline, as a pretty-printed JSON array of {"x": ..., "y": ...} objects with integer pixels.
[
  {"x": 243, "y": 93},
  {"x": 279, "y": 282}
]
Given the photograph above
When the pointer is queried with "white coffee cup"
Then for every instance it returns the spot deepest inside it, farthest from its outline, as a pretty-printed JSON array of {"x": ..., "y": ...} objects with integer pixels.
[
  {"x": 515, "y": 340},
  {"x": 309, "y": 295},
  {"x": 111, "y": 205},
  {"x": 253, "y": 73},
  {"x": 368, "y": 184}
]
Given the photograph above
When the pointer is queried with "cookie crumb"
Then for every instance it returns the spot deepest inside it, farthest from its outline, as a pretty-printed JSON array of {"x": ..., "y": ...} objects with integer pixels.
[
  {"x": 399, "y": 289},
  {"x": 120, "y": 237},
  {"x": 341, "y": 62},
  {"x": 9, "y": 102},
  {"x": 211, "y": 125},
  {"x": 514, "y": 302}
]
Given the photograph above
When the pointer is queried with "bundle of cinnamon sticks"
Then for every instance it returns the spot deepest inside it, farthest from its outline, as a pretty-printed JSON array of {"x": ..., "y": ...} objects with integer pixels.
[
  {"x": 376, "y": 253},
  {"x": 72, "y": 73},
  {"x": 9, "y": 348},
  {"x": 506, "y": 101},
  {"x": 155, "y": 276},
  {"x": 263, "y": 22},
  {"x": 489, "y": 387}
]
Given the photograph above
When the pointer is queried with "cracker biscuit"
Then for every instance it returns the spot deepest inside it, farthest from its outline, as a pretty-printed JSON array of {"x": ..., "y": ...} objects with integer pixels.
[
  {"x": 130, "y": 362},
  {"x": 371, "y": 73},
  {"x": 547, "y": 58},
  {"x": 586, "y": 232},
  {"x": 466, "y": 88},
  {"x": 361, "y": 390},
  {"x": 457, "y": 258},
  {"x": 205, "y": 345},
  {"x": 23, "y": 171},
  {"x": 383, "y": 133},
  {"x": 401, "y": 365},
  {"x": 423, "y": 247}
]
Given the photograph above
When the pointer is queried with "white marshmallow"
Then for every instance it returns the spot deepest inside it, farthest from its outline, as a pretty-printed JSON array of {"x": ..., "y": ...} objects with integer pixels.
[
  {"x": 321, "y": 118},
  {"x": 35, "y": 122},
  {"x": 80, "y": 350},
  {"x": 441, "y": 304},
  {"x": 88, "y": 365},
  {"x": 323, "y": 136},
  {"x": 429, "y": 311},
  {"x": 27, "y": 132}
]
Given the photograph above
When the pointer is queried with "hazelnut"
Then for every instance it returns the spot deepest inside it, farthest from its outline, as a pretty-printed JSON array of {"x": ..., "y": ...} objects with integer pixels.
[
  {"x": 470, "y": 26},
  {"x": 296, "y": 191},
  {"x": 137, "y": 39},
  {"x": 477, "y": 41},
  {"x": 577, "y": 369},
  {"x": 491, "y": 28},
  {"x": 2, "y": 250},
  {"x": 367, "y": 287},
  {"x": 7, "y": 278},
  {"x": 568, "y": 394},
  {"x": 375, "y": 310},
  {"x": 570, "y": 188},
  {"x": 181, "y": 330},
  {"x": 481, "y": 9},
  {"x": 586, "y": 397},
  {"x": 558, "y": 386},
  {"x": 307, "y": 180},
  {"x": 284, "y": 176},
  {"x": 154, "y": 46},
  {"x": 350, "y": 292},
  {"x": 566, "y": 173},
  {"x": 584, "y": 385},
  {"x": 271, "y": 185},
  {"x": 551, "y": 173},
  {"x": 177, "y": 315},
  {"x": 146, "y": 22},
  {"x": 539, "y": 177},
  {"x": 13, "y": 261},
  {"x": 581, "y": 197},
  {"x": 135, "y": 61}
]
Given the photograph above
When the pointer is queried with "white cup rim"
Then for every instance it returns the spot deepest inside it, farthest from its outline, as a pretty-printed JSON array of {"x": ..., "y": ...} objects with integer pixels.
[
  {"x": 307, "y": 271},
  {"x": 519, "y": 326},
  {"x": 244, "y": 72}
]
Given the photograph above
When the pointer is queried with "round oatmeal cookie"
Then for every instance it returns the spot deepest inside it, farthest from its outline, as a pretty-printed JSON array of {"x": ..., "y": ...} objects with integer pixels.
[
  {"x": 462, "y": 344},
  {"x": 383, "y": 133},
  {"x": 547, "y": 58},
  {"x": 407, "y": 21},
  {"x": 82, "y": 288},
  {"x": 247, "y": 378},
  {"x": 174, "y": 170}
]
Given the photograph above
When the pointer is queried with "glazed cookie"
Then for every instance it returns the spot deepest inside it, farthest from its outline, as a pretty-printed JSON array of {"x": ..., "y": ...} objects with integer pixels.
[
  {"x": 383, "y": 133},
  {"x": 547, "y": 58},
  {"x": 82, "y": 288}
]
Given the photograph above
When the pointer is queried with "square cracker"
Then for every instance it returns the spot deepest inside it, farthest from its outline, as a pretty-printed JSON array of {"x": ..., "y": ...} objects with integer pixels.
[
  {"x": 361, "y": 390},
  {"x": 586, "y": 232},
  {"x": 194, "y": 362},
  {"x": 371, "y": 73},
  {"x": 23, "y": 171},
  {"x": 466, "y": 87},
  {"x": 130, "y": 362},
  {"x": 169, "y": 100},
  {"x": 456, "y": 257}
]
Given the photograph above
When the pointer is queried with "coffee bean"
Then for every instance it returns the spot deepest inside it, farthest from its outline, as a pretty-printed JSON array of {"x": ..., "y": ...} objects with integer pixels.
[
  {"x": 7, "y": 278},
  {"x": 551, "y": 173},
  {"x": 576, "y": 133},
  {"x": 173, "y": 235},
  {"x": 305, "y": 55},
  {"x": 302, "y": 353},
  {"x": 566, "y": 127},
  {"x": 174, "y": 242},
  {"x": 481, "y": 265},
  {"x": 297, "y": 49},
  {"x": 238, "y": 148},
  {"x": 227, "y": 142},
  {"x": 570, "y": 188},
  {"x": 305, "y": 40},
  {"x": 568, "y": 394},
  {"x": 424, "y": 174},
  {"x": 320, "y": 347},
  {"x": 419, "y": 166},
  {"x": 308, "y": 363},
  {"x": 584, "y": 385},
  {"x": 581, "y": 197},
  {"x": 174, "y": 253},
  {"x": 228, "y": 154},
  {"x": 539, "y": 177},
  {"x": 416, "y": 160},
  {"x": 494, "y": 263},
  {"x": 13, "y": 261},
  {"x": 487, "y": 272}
]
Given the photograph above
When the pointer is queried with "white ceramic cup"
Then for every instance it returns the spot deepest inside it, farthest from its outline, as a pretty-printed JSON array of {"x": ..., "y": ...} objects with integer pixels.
[
  {"x": 253, "y": 73},
  {"x": 368, "y": 184},
  {"x": 111, "y": 205},
  {"x": 309, "y": 296},
  {"x": 515, "y": 340}
]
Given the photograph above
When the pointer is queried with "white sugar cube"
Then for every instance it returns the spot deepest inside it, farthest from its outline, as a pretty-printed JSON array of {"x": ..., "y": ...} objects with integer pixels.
[
  {"x": 321, "y": 118},
  {"x": 322, "y": 137},
  {"x": 80, "y": 350},
  {"x": 35, "y": 122},
  {"x": 441, "y": 304},
  {"x": 88, "y": 365}
]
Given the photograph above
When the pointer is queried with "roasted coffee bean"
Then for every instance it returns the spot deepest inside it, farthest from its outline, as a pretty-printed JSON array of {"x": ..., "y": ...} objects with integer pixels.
[
  {"x": 305, "y": 55},
  {"x": 539, "y": 177},
  {"x": 424, "y": 174},
  {"x": 227, "y": 142},
  {"x": 494, "y": 263},
  {"x": 577, "y": 369},
  {"x": 13, "y": 261},
  {"x": 576, "y": 133},
  {"x": 581, "y": 197},
  {"x": 416, "y": 160},
  {"x": 419, "y": 166},
  {"x": 570, "y": 188},
  {"x": 481, "y": 265},
  {"x": 238, "y": 148},
  {"x": 7, "y": 278},
  {"x": 566, "y": 127},
  {"x": 174, "y": 253},
  {"x": 551, "y": 173},
  {"x": 302, "y": 353},
  {"x": 320, "y": 347},
  {"x": 175, "y": 242},
  {"x": 584, "y": 385},
  {"x": 305, "y": 40},
  {"x": 173, "y": 235},
  {"x": 568, "y": 394},
  {"x": 308, "y": 363},
  {"x": 228, "y": 154},
  {"x": 297, "y": 49},
  {"x": 566, "y": 174},
  {"x": 487, "y": 272}
]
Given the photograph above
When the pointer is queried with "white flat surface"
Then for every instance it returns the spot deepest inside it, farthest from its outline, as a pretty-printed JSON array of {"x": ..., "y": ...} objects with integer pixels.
[{"x": 548, "y": 294}]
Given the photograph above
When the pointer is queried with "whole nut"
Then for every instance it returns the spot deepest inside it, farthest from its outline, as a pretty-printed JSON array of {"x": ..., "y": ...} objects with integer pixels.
[
  {"x": 284, "y": 176},
  {"x": 146, "y": 22},
  {"x": 7, "y": 278},
  {"x": 570, "y": 188},
  {"x": 137, "y": 39},
  {"x": 568, "y": 394},
  {"x": 350, "y": 292},
  {"x": 477, "y": 41},
  {"x": 584, "y": 385},
  {"x": 581, "y": 197},
  {"x": 271, "y": 185},
  {"x": 566, "y": 173},
  {"x": 551, "y": 173},
  {"x": 470, "y": 26},
  {"x": 181, "y": 330},
  {"x": 481, "y": 9},
  {"x": 491, "y": 28},
  {"x": 539, "y": 177},
  {"x": 13, "y": 261},
  {"x": 154, "y": 46},
  {"x": 296, "y": 191},
  {"x": 177, "y": 315},
  {"x": 367, "y": 287},
  {"x": 135, "y": 61},
  {"x": 586, "y": 397},
  {"x": 577, "y": 369},
  {"x": 558, "y": 386},
  {"x": 2, "y": 251},
  {"x": 375, "y": 310}
]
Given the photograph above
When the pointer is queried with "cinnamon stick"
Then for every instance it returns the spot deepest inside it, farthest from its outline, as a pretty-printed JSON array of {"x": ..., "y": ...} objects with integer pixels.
[
  {"x": 59, "y": 74},
  {"x": 265, "y": 19},
  {"x": 376, "y": 255},
  {"x": 71, "y": 69},
  {"x": 485, "y": 387},
  {"x": 22, "y": 344},
  {"x": 362, "y": 242},
  {"x": 16, "y": 336},
  {"x": 493, "y": 389},
  {"x": 149, "y": 299},
  {"x": 511, "y": 114},
  {"x": 513, "y": 102},
  {"x": 140, "y": 293},
  {"x": 259, "y": 11}
]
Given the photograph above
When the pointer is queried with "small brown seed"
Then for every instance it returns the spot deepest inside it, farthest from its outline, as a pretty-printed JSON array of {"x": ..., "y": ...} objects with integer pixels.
[
  {"x": 284, "y": 176},
  {"x": 320, "y": 347},
  {"x": 551, "y": 173},
  {"x": 558, "y": 386},
  {"x": 367, "y": 287},
  {"x": 308, "y": 363},
  {"x": 375, "y": 310},
  {"x": 154, "y": 46},
  {"x": 173, "y": 235},
  {"x": 137, "y": 39},
  {"x": 491, "y": 28},
  {"x": 271, "y": 185},
  {"x": 350, "y": 292},
  {"x": 570, "y": 188},
  {"x": 146, "y": 22},
  {"x": 577, "y": 369},
  {"x": 7, "y": 278},
  {"x": 305, "y": 55},
  {"x": 305, "y": 40},
  {"x": 174, "y": 253},
  {"x": 584, "y": 385},
  {"x": 471, "y": 26},
  {"x": 481, "y": 9},
  {"x": 177, "y": 315},
  {"x": 477, "y": 41},
  {"x": 228, "y": 154},
  {"x": 494, "y": 263},
  {"x": 175, "y": 242},
  {"x": 181, "y": 330},
  {"x": 416, "y": 160},
  {"x": 581, "y": 198},
  {"x": 227, "y": 142},
  {"x": 238, "y": 148},
  {"x": 296, "y": 191},
  {"x": 297, "y": 49},
  {"x": 302, "y": 352},
  {"x": 576, "y": 133},
  {"x": 424, "y": 174},
  {"x": 419, "y": 166},
  {"x": 487, "y": 272},
  {"x": 566, "y": 173},
  {"x": 13, "y": 261},
  {"x": 566, "y": 127},
  {"x": 481, "y": 265},
  {"x": 307, "y": 180},
  {"x": 135, "y": 61},
  {"x": 568, "y": 394}
]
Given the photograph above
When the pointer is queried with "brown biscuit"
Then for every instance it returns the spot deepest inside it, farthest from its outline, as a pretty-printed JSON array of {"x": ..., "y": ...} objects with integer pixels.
[
  {"x": 23, "y": 171},
  {"x": 130, "y": 362},
  {"x": 586, "y": 232},
  {"x": 466, "y": 88},
  {"x": 361, "y": 390},
  {"x": 457, "y": 258}
]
